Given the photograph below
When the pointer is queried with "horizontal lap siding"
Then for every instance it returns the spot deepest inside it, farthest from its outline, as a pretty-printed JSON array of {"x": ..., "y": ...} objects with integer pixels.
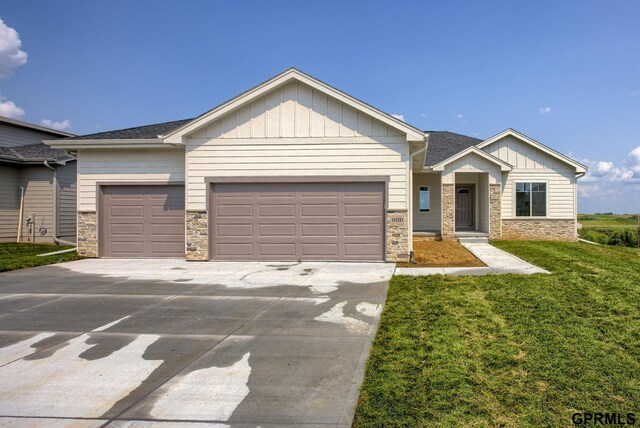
[
  {"x": 16, "y": 136},
  {"x": 353, "y": 156},
  {"x": 532, "y": 164},
  {"x": 123, "y": 165},
  {"x": 427, "y": 220},
  {"x": 67, "y": 201},
  {"x": 39, "y": 193},
  {"x": 9, "y": 203}
]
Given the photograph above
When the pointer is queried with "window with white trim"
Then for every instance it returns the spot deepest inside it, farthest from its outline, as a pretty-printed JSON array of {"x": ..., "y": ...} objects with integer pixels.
[
  {"x": 425, "y": 201},
  {"x": 531, "y": 199}
]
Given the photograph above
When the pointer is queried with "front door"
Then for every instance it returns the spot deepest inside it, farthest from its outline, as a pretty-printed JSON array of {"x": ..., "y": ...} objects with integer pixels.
[{"x": 464, "y": 207}]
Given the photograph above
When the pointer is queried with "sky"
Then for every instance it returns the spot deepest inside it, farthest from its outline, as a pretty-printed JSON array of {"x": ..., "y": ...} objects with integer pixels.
[{"x": 566, "y": 73}]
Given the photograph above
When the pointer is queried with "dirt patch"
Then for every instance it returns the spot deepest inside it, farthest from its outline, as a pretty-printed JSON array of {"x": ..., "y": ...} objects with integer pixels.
[{"x": 430, "y": 253}]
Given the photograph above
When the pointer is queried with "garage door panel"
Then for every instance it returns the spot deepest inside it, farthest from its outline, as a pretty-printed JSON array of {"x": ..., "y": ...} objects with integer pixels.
[
  {"x": 141, "y": 221},
  {"x": 297, "y": 221}
]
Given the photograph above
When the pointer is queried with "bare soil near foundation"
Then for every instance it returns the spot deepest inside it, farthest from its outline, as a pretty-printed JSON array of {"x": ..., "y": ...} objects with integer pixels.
[{"x": 430, "y": 253}]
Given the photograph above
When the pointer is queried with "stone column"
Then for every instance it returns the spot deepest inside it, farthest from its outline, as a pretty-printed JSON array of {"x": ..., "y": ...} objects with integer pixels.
[
  {"x": 197, "y": 235},
  {"x": 87, "y": 234},
  {"x": 397, "y": 236},
  {"x": 495, "y": 211},
  {"x": 448, "y": 221}
]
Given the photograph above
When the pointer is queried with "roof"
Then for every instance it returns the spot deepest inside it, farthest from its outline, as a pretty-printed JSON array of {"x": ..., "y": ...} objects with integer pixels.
[
  {"x": 32, "y": 153},
  {"x": 473, "y": 150},
  {"x": 138, "y": 132},
  {"x": 444, "y": 144},
  {"x": 35, "y": 127}
]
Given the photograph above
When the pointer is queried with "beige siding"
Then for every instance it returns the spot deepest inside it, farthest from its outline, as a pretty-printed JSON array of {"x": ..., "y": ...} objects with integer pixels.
[
  {"x": 39, "y": 193},
  {"x": 294, "y": 157},
  {"x": 532, "y": 164},
  {"x": 560, "y": 192},
  {"x": 67, "y": 201},
  {"x": 14, "y": 136},
  {"x": 293, "y": 131},
  {"x": 427, "y": 221},
  {"x": 9, "y": 203},
  {"x": 471, "y": 163},
  {"x": 122, "y": 165},
  {"x": 295, "y": 110}
]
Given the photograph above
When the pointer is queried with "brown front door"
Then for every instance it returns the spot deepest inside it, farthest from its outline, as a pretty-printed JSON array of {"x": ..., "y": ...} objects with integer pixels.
[
  {"x": 297, "y": 221},
  {"x": 141, "y": 221},
  {"x": 464, "y": 207}
]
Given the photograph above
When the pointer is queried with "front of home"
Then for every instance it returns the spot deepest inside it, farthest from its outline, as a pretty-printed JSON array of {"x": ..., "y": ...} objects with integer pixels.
[{"x": 294, "y": 169}]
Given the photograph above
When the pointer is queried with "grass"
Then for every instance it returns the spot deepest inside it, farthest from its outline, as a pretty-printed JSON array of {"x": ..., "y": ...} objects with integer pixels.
[
  {"x": 19, "y": 256},
  {"x": 509, "y": 350},
  {"x": 608, "y": 220}
]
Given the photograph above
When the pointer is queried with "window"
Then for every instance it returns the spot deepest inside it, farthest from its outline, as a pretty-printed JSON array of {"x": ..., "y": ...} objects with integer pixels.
[
  {"x": 425, "y": 203},
  {"x": 531, "y": 199}
]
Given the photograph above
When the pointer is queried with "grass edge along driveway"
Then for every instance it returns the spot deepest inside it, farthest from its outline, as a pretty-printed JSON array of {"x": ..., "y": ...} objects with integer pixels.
[
  {"x": 22, "y": 255},
  {"x": 510, "y": 350}
]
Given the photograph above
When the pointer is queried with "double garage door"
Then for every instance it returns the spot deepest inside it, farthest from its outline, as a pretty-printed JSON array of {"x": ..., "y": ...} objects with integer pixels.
[{"x": 248, "y": 221}]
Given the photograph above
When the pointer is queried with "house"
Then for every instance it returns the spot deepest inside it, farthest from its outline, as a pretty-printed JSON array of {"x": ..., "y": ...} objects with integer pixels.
[
  {"x": 294, "y": 169},
  {"x": 37, "y": 185}
]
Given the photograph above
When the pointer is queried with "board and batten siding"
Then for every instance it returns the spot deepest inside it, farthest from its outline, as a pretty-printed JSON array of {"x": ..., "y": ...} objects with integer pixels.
[
  {"x": 66, "y": 175},
  {"x": 296, "y": 131},
  {"x": 9, "y": 203},
  {"x": 533, "y": 165},
  {"x": 125, "y": 165},
  {"x": 39, "y": 203},
  {"x": 471, "y": 162}
]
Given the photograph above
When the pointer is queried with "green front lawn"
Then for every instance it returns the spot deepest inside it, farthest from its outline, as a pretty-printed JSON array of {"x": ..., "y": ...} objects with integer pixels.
[
  {"x": 18, "y": 256},
  {"x": 510, "y": 350}
]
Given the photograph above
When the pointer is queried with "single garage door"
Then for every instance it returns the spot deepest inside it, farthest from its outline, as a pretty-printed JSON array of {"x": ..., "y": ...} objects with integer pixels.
[
  {"x": 297, "y": 221},
  {"x": 141, "y": 221}
]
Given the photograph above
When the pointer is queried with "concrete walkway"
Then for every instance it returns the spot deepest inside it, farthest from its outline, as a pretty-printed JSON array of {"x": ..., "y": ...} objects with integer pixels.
[{"x": 497, "y": 261}]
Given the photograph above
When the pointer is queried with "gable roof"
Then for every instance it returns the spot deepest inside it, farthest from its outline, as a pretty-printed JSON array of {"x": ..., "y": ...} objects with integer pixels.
[
  {"x": 504, "y": 166},
  {"x": 135, "y": 133},
  {"x": 34, "y": 153},
  {"x": 35, "y": 127},
  {"x": 292, "y": 74},
  {"x": 513, "y": 133},
  {"x": 444, "y": 144}
]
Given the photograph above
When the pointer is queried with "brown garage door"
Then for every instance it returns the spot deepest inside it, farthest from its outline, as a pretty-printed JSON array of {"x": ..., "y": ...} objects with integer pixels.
[
  {"x": 141, "y": 221},
  {"x": 297, "y": 221}
]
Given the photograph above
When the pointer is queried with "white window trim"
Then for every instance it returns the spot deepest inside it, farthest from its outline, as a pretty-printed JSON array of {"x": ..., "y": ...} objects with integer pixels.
[{"x": 514, "y": 207}]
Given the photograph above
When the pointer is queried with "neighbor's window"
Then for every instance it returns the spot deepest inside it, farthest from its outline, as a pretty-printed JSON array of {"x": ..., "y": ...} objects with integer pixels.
[
  {"x": 531, "y": 199},
  {"x": 425, "y": 203}
]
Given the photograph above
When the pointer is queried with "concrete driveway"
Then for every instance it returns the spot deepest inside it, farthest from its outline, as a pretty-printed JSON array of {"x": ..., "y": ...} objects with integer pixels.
[{"x": 147, "y": 342}]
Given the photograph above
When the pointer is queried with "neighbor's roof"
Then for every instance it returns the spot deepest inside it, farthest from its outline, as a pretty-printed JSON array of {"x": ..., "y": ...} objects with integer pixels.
[
  {"x": 444, "y": 144},
  {"x": 35, "y": 127},
  {"x": 32, "y": 153},
  {"x": 138, "y": 132}
]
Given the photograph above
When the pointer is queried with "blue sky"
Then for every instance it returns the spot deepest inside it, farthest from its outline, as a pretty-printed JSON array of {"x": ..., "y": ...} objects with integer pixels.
[{"x": 566, "y": 73}]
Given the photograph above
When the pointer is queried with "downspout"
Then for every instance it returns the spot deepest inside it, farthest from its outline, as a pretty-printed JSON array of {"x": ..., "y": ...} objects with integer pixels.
[
  {"x": 55, "y": 200},
  {"x": 410, "y": 229}
]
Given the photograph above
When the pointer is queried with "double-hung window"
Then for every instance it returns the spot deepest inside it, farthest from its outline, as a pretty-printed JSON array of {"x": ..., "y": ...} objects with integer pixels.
[
  {"x": 425, "y": 202},
  {"x": 531, "y": 199}
]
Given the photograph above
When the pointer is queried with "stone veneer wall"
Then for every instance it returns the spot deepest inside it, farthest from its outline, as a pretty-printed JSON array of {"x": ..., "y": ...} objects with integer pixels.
[
  {"x": 87, "y": 234},
  {"x": 448, "y": 229},
  {"x": 539, "y": 229},
  {"x": 397, "y": 236},
  {"x": 495, "y": 211},
  {"x": 197, "y": 235}
]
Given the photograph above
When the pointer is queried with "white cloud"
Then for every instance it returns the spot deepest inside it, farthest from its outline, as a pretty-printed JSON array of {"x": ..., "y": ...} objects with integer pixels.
[
  {"x": 11, "y": 56},
  {"x": 423, "y": 114},
  {"x": 398, "y": 116},
  {"x": 10, "y": 109},
  {"x": 544, "y": 110},
  {"x": 60, "y": 126},
  {"x": 459, "y": 116}
]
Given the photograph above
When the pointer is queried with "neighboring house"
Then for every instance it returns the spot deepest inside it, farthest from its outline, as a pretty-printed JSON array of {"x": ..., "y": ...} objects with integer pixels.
[
  {"x": 295, "y": 169},
  {"x": 40, "y": 179}
]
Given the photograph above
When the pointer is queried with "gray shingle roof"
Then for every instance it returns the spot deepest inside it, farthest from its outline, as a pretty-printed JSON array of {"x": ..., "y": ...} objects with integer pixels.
[
  {"x": 444, "y": 144},
  {"x": 138, "y": 132},
  {"x": 32, "y": 153}
]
